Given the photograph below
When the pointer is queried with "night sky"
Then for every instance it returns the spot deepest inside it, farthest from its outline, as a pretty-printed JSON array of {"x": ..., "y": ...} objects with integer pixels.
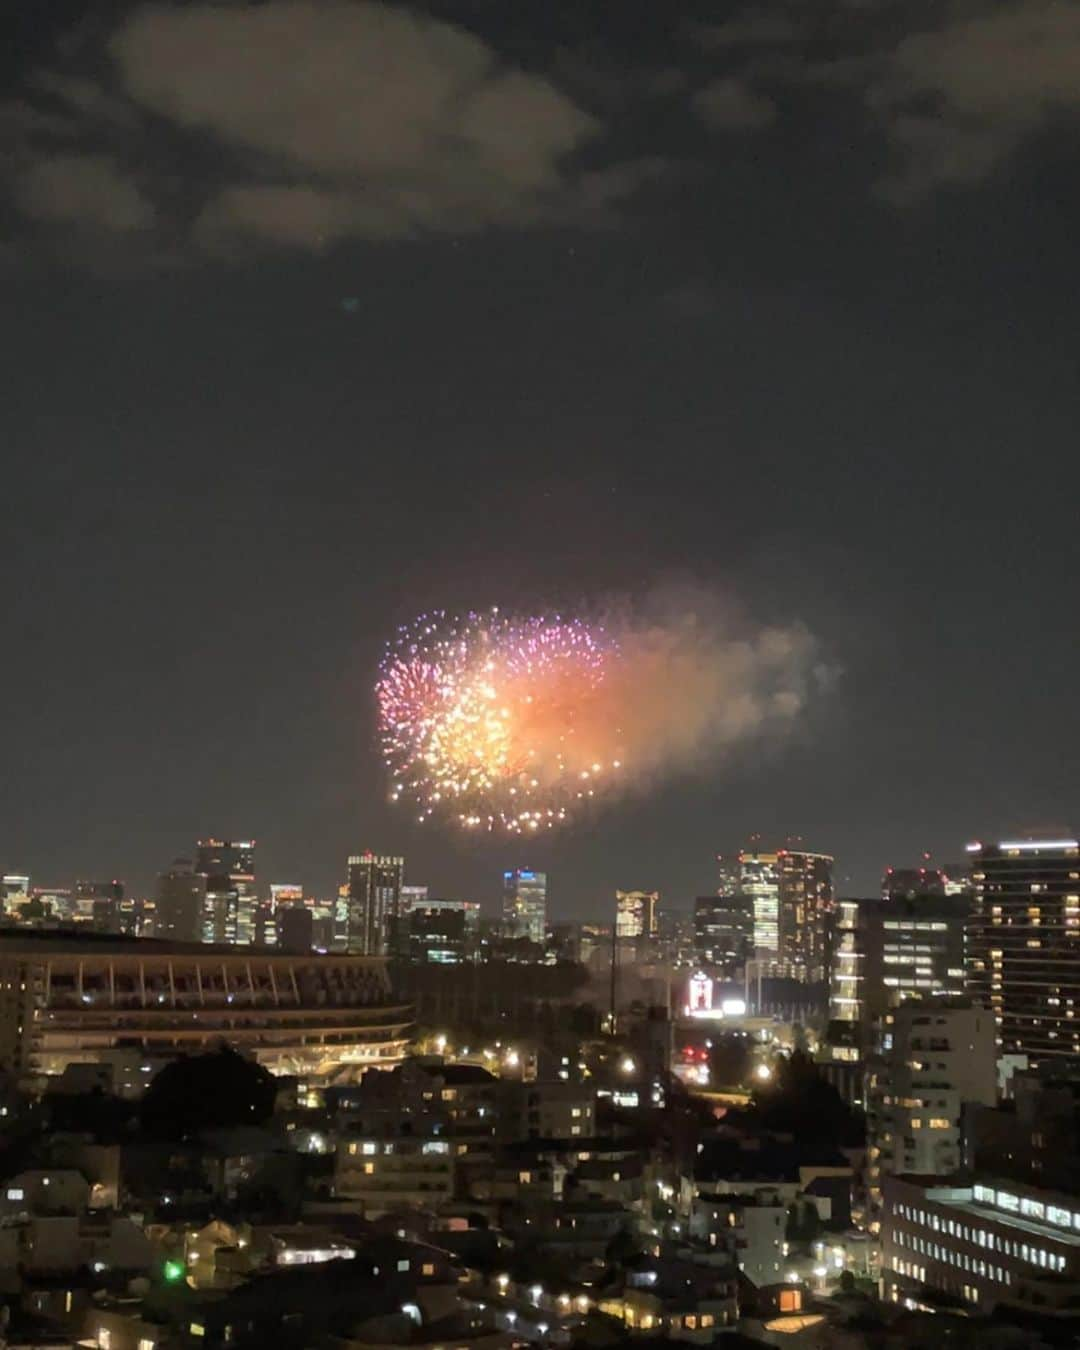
[{"x": 318, "y": 315}]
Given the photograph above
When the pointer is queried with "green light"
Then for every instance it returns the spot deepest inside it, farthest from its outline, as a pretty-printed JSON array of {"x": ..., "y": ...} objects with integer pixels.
[{"x": 173, "y": 1271}]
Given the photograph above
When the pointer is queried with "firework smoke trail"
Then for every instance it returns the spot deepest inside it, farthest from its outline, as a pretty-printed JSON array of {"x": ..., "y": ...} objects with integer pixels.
[{"x": 503, "y": 723}]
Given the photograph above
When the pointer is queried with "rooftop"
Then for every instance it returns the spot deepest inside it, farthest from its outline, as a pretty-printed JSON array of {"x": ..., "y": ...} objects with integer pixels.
[
  {"x": 459, "y": 1074},
  {"x": 73, "y": 941}
]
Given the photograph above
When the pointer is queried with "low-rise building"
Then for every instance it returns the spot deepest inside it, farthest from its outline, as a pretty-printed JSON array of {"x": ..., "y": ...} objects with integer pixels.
[
  {"x": 748, "y": 1222},
  {"x": 545, "y": 1110},
  {"x": 45, "y": 1190},
  {"x": 388, "y": 1171},
  {"x": 987, "y": 1243},
  {"x": 936, "y": 1056}
]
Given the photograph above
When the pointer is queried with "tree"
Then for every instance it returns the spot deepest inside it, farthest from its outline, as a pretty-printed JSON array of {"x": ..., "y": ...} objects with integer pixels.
[
  {"x": 798, "y": 1101},
  {"x": 276, "y": 1191},
  {"x": 96, "y": 1113},
  {"x": 623, "y": 1248},
  {"x": 206, "y": 1092},
  {"x": 731, "y": 1060}
]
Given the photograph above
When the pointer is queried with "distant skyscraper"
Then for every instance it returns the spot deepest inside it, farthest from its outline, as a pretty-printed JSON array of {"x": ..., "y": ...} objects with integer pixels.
[
  {"x": 16, "y": 890},
  {"x": 268, "y": 914},
  {"x": 229, "y": 910},
  {"x": 181, "y": 902},
  {"x": 635, "y": 913},
  {"x": 296, "y": 928},
  {"x": 1024, "y": 943},
  {"x": 788, "y": 897},
  {"x": 958, "y": 879},
  {"x": 759, "y": 883},
  {"x": 443, "y": 932},
  {"x": 373, "y": 901},
  {"x": 889, "y": 951},
  {"x": 98, "y": 903},
  {"x": 904, "y": 883},
  {"x": 525, "y": 904},
  {"x": 58, "y": 900},
  {"x": 411, "y": 896},
  {"x": 723, "y": 926},
  {"x": 805, "y": 908}
]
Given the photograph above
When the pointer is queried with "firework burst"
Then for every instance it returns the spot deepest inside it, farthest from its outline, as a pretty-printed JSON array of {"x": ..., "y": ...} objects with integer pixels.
[{"x": 497, "y": 722}]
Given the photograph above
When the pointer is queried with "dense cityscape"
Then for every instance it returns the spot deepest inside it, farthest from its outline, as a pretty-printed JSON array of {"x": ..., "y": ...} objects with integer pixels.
[
  {"x": 592, "y": 488},
  {"x": 770, "y": 1114}
]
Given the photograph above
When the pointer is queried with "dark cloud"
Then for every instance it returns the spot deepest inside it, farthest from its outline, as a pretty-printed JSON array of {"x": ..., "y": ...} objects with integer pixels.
[
  {"x": 954, "y": 89},
  {"x": 730, "y": 104},
  {"x": 957, "y": 101},
  {"x": 301, "y": 123},
  {"x": 754, "y": 27},
  {"x": 91, "y": 191},
  {"x": 327, "y": 120}
]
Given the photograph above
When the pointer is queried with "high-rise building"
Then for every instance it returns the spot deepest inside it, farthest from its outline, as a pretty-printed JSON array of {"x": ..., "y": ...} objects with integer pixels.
[
  {"x": 444, "y": 932},
  {"x": 98, "y": 903},
  {"x": 525, "y": 904},
  {"x": 805, "y": 911},
  {"x": 268, "y": 912},
  {"x": 635, "y": 913},
  {"x": 905, "y": 883},
  {"x": 296, "y": 928},
  {"x": 1034, "y": 1137},
  {"x": 789, "y": 895},
  {"x": 323, "y": 924},
  {"x": 958, "y": 879},
  {"x": 181, "y": 902},
  {"x": 373, "y": 895},
  {"x": 16, "y": 891},
  {"x": 723, "y": 931},
  {"x": 759, "y": 882},
  {"x": 887, "y": 951},
  {"x": 412, "y": 896},
  {"x": 59, "y": 901},
  {"x": 1024, "y": 943},
  {"x": 229, "y": 910},
  {"x": 936, "y": 1055}
]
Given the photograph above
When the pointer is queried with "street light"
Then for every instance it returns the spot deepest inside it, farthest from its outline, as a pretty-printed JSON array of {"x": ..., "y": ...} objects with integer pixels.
[
  {"x": 763, "y": 1073},
  {"x": 628, "y": 1065}
]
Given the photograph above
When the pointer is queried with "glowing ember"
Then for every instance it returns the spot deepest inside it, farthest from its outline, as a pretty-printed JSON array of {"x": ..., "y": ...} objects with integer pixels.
[{"x": 497, "y": 722}]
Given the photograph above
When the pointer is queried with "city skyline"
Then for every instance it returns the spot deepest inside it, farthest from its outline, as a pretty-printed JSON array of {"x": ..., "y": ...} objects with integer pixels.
[
  {"x": 490, "y": 892},
  {"x": 540, "y": 660},
  {"x": 767, "y": 338}
]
